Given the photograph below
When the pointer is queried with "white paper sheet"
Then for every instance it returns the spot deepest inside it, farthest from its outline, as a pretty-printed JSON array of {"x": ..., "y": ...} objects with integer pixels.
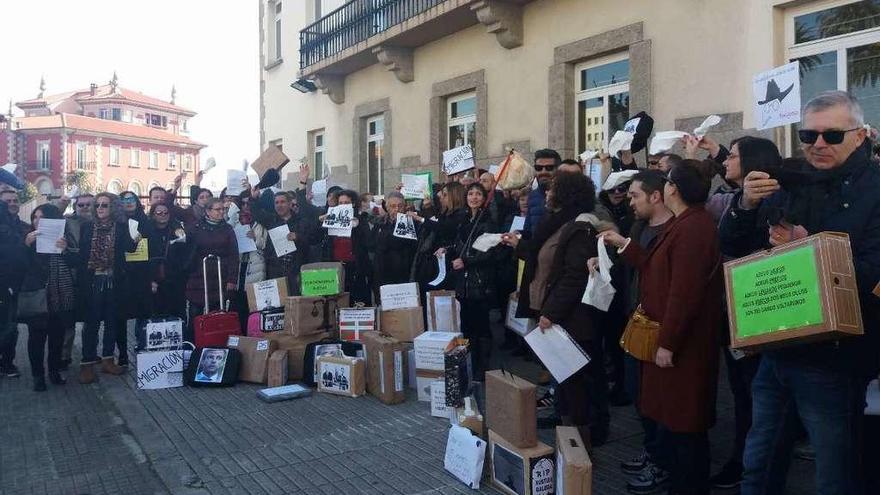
[
  {"x": 245, "y": 243},
  {"x": 49, "y": 230},
  {"x": 458, "y": 160},
  {"x": 415, "y": 186},
  {"x": 267, "y": 295},
  {"x": 132, "y": 228},
  {"x": 339, "y": 232},
  {"x": 445, "y": 310},
  {"x": 708, "y": 123},
  {"x": 486, "y": 242},
  {"x": 233, "y": 181},
  {"x": 232, "y": 214},
  {"x": 404, "y": 227},
  {"x": 319, "y": 193},
  {"x": 600, "y": 292},
  {"x": 617, "y": 178},
  {"x": 438, "y": 399},
  {"x": 399, "y": 296},
  {"x": 279, "y": 240},
  {"x": 465, "y": 455},
  {"x": 588, "y": 155},
  {"x": 558, "y": 351},
  {"x": 777, "y": 96},
  {"x": 339, "y": 217},
  {"x": 664, "y": 141},
  {"x": 621, "y": 140},
  {"x": 441, "y": 271},
  {"x": 518, "y": 224}
]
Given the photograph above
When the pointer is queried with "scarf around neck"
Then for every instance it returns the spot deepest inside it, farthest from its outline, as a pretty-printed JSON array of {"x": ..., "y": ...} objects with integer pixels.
[{"x": 103, "y": 244}]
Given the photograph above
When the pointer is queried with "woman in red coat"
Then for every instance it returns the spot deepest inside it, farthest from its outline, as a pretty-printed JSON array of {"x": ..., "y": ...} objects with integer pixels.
[{"x": 681, "y": 288}]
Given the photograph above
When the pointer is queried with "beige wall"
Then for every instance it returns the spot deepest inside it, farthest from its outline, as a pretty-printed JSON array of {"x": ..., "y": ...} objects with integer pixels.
[{"x": 703, "y": 56}]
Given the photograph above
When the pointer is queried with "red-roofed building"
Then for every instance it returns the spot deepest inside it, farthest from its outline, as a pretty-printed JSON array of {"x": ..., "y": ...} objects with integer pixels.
[{"x": 123, "y": 139}]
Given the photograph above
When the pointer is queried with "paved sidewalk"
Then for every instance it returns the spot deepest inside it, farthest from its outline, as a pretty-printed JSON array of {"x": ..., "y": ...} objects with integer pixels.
[{"x": 110, "y": 438}]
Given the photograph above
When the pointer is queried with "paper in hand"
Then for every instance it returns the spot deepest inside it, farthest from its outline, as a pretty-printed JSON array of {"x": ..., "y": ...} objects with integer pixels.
[
  {"x": 132, "y": 228},
  {"x": 710, "y": 121},
  {"x": 621, "y": 140},
  {"x": 245, "y": 243},
  {"x": 319, "y": 193},
  {"x": 486, "y": 242},
  {"x": 664, "y": 141},
  {"x": 49, "y": 231},
  {"x": 234, "y": 179},
  {"x": 441, "y": 271},
  {"x": 588, "y": 155},
  {"x": 555, "y": 348},
  {"x": 600, "y": 292},
  {"x": 518, "y": 224},
  {"x": 404, "y": 227},
  {"x": 280, "y": 242}
]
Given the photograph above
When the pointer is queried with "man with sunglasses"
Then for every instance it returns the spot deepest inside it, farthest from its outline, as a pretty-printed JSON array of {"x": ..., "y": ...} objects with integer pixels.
[
  {"x": 546, "y": 162},
  {"x": 823, "y": 383}
]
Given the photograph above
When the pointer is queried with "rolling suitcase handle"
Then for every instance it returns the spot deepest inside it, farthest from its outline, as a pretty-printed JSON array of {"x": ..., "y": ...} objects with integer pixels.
[{"x": 205, "y": 280}]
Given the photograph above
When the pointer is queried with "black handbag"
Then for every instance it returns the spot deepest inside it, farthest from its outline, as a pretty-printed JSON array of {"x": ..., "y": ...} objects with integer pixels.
[{"x": 32, "y": 304}]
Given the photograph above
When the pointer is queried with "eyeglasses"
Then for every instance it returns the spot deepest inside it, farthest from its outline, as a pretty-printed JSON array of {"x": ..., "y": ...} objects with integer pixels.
[
  {"x": 834, "y": 136},
  {"x": 161, "y": 213},
  {"x": 102, "y": 205},
  {"x": 548, "y": 168},
  {"x": 129, "y": 199}
]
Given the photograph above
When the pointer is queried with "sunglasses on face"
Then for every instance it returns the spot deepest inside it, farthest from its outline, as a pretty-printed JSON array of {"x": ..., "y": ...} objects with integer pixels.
[
  {"x": 102, "y": 205},
  {"x": 621, "y": 189},
  {"x": 161, "y": 213},
  {"x": 547, "y": 168},
  {"x": 834, "y": 136}
]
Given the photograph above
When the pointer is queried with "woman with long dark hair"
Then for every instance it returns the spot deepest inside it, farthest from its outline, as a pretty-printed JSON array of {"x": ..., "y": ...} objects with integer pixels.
[
  {"x": 52, "y": 272},
  {"x": 437, "y": 234},
  {"x": 352, "y": 253}
]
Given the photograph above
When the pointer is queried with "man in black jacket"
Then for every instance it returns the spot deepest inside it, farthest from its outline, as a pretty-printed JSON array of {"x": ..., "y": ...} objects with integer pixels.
[{"x": 823, "y": 383}]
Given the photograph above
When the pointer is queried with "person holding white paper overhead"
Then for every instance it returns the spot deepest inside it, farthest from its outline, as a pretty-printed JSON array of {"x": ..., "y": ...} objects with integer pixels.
[
  {"x": 394, "y": 255},
  {"x": 352, "y": 252}
]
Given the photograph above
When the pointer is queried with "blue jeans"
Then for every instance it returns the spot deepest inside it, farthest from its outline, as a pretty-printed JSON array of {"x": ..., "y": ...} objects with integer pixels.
[
  {"x": 828, "y": 403},
  {"x": 102, "y": 306}
]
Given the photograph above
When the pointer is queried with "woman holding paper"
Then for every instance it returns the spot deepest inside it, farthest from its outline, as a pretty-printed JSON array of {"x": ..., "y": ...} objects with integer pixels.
[
  {"x": 437, "y": 234},
  {"x": 680, "y": 283},
  {"x": 135, "y": 296},
  {"x": 352, "y": 253},
  {"x": 52, "y": 272},
  {"x": 167, "y": 280}
]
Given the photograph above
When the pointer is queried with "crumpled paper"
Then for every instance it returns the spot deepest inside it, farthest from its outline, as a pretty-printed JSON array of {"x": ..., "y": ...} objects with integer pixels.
[
  {"x": 710, "y": 121},
  {"x": 664, "y": 141},
  {"x": 621, "y": 140}
]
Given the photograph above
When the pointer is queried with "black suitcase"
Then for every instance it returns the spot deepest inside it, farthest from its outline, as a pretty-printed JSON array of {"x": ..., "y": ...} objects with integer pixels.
[
  {"x": 213, "y": 367},
  {"x": 327, "y": 346}
]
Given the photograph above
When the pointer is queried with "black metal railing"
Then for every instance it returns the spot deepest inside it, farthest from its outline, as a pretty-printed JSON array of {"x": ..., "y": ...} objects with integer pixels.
[{"x": 352, "y": 23}]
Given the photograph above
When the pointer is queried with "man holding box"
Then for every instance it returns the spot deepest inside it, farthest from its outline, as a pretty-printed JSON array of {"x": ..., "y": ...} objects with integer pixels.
[{"x": 824, "y": 383}]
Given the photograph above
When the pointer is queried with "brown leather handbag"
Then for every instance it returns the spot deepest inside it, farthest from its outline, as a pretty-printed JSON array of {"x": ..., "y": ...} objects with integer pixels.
[{"x": 640, "y": 336}]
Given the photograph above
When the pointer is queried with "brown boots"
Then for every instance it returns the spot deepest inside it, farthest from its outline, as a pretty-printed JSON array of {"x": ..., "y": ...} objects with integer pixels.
[
  {"x": 87, "y": 371},
  {"x": 111, "y": 368}
]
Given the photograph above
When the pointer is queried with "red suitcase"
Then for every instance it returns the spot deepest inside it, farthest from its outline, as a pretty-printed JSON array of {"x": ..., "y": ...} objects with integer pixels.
[{"x": 213, "y": 328}]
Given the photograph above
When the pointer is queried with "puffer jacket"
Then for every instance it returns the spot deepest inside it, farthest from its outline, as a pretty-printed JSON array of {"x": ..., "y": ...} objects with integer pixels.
[{"x": 476, "y": 281}]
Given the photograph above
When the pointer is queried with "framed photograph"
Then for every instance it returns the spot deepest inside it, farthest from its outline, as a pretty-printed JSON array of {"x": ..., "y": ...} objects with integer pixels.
[
  {"x": 507, "y": 469},
  {"x": 211, "y": 366},
  {"x": 325, "y": 350}
]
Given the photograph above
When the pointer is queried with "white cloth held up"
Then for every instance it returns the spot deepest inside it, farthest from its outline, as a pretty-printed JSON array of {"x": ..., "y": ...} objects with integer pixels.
[{"x": 599, "y": 291}]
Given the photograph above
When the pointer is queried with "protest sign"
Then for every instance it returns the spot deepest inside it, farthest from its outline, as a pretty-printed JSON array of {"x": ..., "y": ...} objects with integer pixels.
[
  {"x": 271, "y": 158},
  {"x": 416, "y": 186},
  {"x": 245, "y": 243},
  {"x": 777, "y": 96},
  {"x": 399, "y": 296},
  {"x": 282, "y": 244},
  {"x": 458, "y": 160},
  {"x": 354, "y": 321},
  {"x": 49, "y": 231},
  {"x": 159, "y": 369},
  {"x": 321, "y": 282},
  {"x": 404, "y": 227},
  {"x": 338, "y": 220},
  {"x": 555, "y": 348},
  {"x": 141, "y": 252},
  {"x": 234, "y": 185},
  {"x": 465, "y": 454}
]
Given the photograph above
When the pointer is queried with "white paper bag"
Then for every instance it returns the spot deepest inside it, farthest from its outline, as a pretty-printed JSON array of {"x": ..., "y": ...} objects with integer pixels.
[
  {"x": 465, "y": 454},
  {"x": 599, "y": 291}
]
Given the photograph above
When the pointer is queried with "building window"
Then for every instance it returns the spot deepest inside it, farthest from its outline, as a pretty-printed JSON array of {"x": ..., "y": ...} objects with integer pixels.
[
  {"x": 154, "y": 159},
  {"x": 836, "y": 48},
  {"x": 135, "y": 161},
  {"x": 172, "y": 160},
  {"x": 187, "y": 163},
  {"x": 183, "y": 125},
  {"x": 114, "y": 156},
  {"x": 43, "y": 156},
  {"x": 116, "y": 114},
  {"x": 375, "y": 153},
  {"x": 154, "y": 120},
  {"x": 135, "y": 187},
  {"x": 104, "y": 113},
  {"x": 126, "y": 116},
  {"x": 461, "y": 122},
  {"x": 114, "y": 186},
  {"x": 81, "y": 155},
  {"x": 276, "y": 34},
  {"x": 318, "y": 154},
  {"x": 602, "y": 91}
]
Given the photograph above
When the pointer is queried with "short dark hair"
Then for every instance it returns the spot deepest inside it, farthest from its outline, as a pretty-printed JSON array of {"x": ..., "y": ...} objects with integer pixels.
[
  {"x": 692, "y": 178},
  {"x": 157, "y": 188},
  {"x": 49, "y": 211},
  {"x": 548, "y": 153},
  {"x": 574, "y": 191},
  {"x": 352, "y": 195},
  {"x": 650, "y": 181},
  {"x": 569, "y": 161},
  {"x": 673, "y": 159},
  {"x": 285, "y": 194},
  {"x": 756, "y": 154}
]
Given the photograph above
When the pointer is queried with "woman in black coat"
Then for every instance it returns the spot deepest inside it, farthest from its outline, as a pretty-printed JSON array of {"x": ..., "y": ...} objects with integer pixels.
[
  {"x": 474, "y": 276},
  {"x": 167, "y": 277},
  {"x": 436, "y": 235},
  {"x": 134, "y": 292}
]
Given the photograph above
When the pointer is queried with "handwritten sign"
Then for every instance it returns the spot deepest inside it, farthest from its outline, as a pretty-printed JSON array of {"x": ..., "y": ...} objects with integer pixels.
[
  {"x": 416, "y": 186},
  {"x": 458, "y": 160},
  {"x": 280, "y": 242},
  {"x": 159, "y": 369},
  {"x": 320, "y": 282},
  {"x": 399, "y": 296},
  {"x": 777, "y": 96},
  {"x": 438, "y": 399},
  {"x": 266, "y": 294},
  {"x": 465, "y": 454}
]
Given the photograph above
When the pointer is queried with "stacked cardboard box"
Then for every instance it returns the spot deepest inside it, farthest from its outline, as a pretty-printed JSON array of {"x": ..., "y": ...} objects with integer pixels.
[
  {"x": 296, "y": 348},
  {"x": 574, "y": 470},
  {"x": 386, "y": 367},
  {"x": 430, "y": 358},
  {"x": 266, "y": 294},
  {"x": 401, "y": 316},
  {"x": 278, "y": 368},
  {"x": 312, "y": 315},
  {"x": 341, "y": 375}
]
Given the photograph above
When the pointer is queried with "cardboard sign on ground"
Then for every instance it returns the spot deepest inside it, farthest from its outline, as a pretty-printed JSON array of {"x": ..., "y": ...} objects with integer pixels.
[
  {"x": 403, "y": 324},
  {"x": 342, "y": 375},
  {"x": 399, "y": 296},
  {"x": 386, "y": 367},
  {"x": 574, "y": 469},
  {"x": 431, "y": 349},
  {"x": 159, "y": 369},
  {"x": 464, "y": 457},
  {"x": 266, "y": 294},
  {"x": 355, "y": 322},
  {"x": 800, "y": 292},
  {"x": 511, "y": 408},
  {"x": 521, "y": 471},
  {"x": 255, "y": 354}
]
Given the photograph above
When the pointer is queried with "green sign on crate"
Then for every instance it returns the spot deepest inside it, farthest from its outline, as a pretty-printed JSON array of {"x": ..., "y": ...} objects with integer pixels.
[
  {"x": 777, "y": 293},
  {"x": 320, "y": 282}
]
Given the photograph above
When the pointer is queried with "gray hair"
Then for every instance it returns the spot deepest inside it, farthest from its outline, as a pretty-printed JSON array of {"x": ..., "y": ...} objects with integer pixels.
[
  {"x": 395, "y": 195},
  {"x": 828, "y": 99}
]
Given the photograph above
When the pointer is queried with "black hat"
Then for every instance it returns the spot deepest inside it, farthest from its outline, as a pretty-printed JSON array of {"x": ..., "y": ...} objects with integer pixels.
[
  {"x": 773, "y": 92},
  {"x": 640, "y": 126},
  {"x": 269, "y": 179}
]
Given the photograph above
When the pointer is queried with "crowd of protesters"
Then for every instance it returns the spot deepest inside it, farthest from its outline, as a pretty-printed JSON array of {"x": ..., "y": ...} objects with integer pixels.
[{"x": 669, "y": 228}]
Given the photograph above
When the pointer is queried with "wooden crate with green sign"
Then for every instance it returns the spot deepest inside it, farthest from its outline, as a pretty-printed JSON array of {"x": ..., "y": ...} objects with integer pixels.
[
  {"x": 322, "y": 279},
  {"x": 803, "y": 291}
]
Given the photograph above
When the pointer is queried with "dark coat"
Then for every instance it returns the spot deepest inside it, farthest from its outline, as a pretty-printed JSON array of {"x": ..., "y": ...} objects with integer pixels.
[
  {"x": 432, "y": 236},
  {"x": 135, "y": 295},
  {"x": 568, "y": 279},
  {"x": 681, "y": 287},
  {"x": 204, "y": 239},
  {"x": 123, "y": 244},
  {"x": 476, "y": 281},
  {"x": 13, "y": 258},
  {"x": 852, "y": 205},
  {"x": 304, "y": 224},
  {"x": 393, "y": 255},
  {"x": 537, "y": 208}
]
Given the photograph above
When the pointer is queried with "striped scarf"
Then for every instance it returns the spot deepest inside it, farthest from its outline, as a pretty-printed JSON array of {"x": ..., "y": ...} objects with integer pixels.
[{"x": 59, "y": 289}]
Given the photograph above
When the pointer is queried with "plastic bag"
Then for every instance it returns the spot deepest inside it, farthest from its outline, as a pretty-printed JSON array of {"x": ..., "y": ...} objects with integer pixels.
[
  {"x": 599, "y": 291},
  {"x": 516, "y": 172}
]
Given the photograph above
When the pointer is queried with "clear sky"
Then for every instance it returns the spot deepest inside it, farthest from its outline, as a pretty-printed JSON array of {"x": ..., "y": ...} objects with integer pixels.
[{"x": 209, "y": 49}]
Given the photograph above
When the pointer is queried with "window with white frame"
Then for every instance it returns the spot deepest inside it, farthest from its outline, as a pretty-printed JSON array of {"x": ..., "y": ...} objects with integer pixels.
[
  {"x": 114, "y": 156},
  {"x": 837, "y": 45},
  {"x": 602, "y": 90},
  {"x": 375, "y": 153},
  {"x": 81, "y": 155},
  {"x": 104, "y": 113},
  {"x": 187, "y": 163},
  {"x": 461, "y": 120},
  {"x": 135, "y": 161},
  {"x": 135, "y": 187},
  {"x": 172, "y": 160},
  {"x": 276, "y": 38},
  {"x": 154, "y": 159},
  {"x": 318, "y": 154},
  {"x": 43, "y": 155},
  {"x": 114, "y": 186},
  {"x": 116, "y": 114}
]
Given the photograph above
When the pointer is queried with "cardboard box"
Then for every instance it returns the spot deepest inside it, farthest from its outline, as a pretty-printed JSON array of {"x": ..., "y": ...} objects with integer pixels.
[
  {"x": 431, "y": 349},
  {"x": 271, "y": 158},
  {"x": 255, "y": 354},
  {"x": 316, "y": 279},
  {"x": 574, "y": 470},
  {"x": 306, "y": 315},
  {"x": 424, "y": 379},
  {"x": 267, "y": 294},
  {"x": 278, "y": 368},
  {"x": 341, "y": 375},
  {"x": 386, "y": 367},
  {"x": 355, "y": 322},
  {"x": 803, "y": 291},
  {"x": 399, "y": 296},
  {"x": 403, "y": 324},
  {"x": 444, "y": 311},
  {"x": 511, "y": 410},
  {"x": 520, "y": 471},
  {"x": 468, "y": 416},
  {"x": 296, "y": 350},
  {"x": 410, "y": 366}
]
